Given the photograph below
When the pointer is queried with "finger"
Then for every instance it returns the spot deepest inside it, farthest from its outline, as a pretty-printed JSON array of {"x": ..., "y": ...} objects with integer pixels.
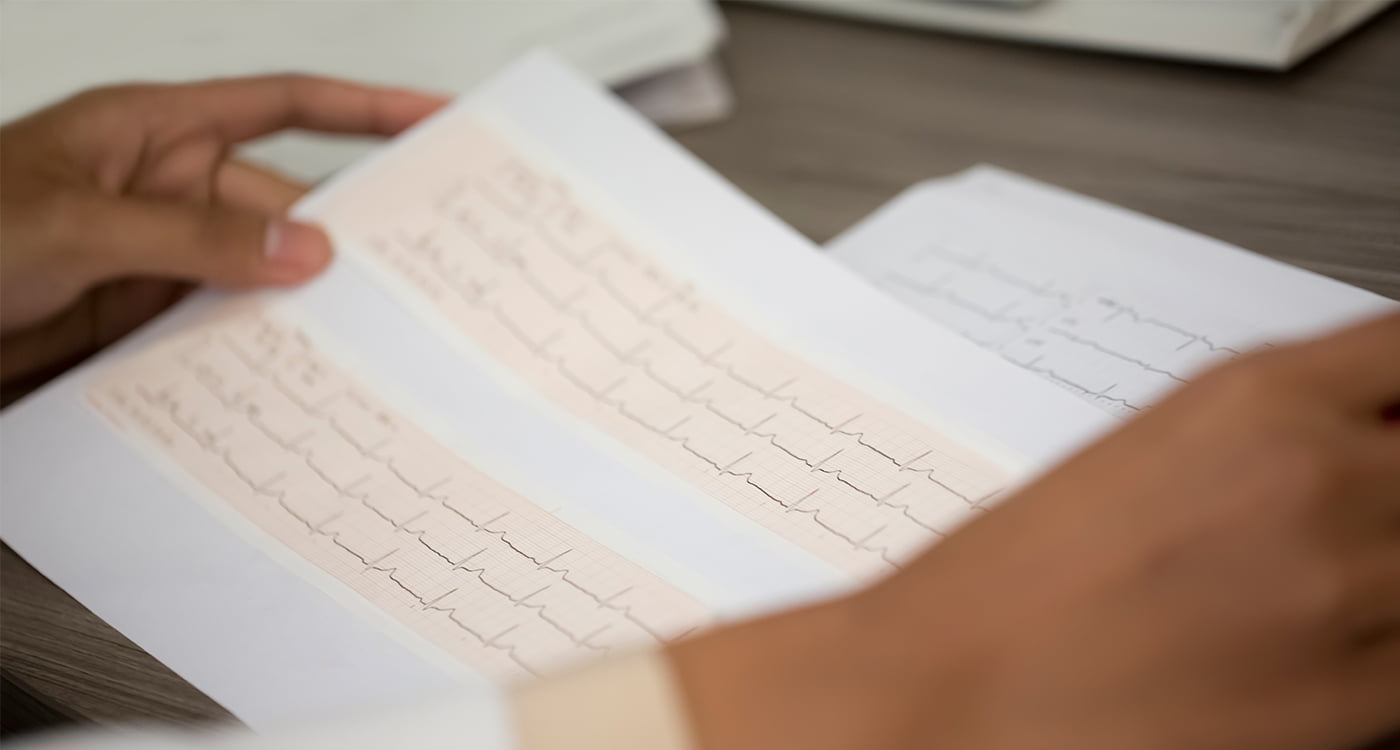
[
  {"x": 254, "y": 188},
  {"x": 1358, "y": 368},
  {"x": 219, "y": 245},
  {"x": 246, "y": 108}
]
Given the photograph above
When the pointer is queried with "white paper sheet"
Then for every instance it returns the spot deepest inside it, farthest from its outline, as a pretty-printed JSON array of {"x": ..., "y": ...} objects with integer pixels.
[
  {"x": 1110, "y": 305},
  {"x": 148, "y": 542}
]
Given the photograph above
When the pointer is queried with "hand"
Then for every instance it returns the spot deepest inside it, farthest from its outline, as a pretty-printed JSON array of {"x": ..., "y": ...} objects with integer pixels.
[
  {"x": 1223, "y": 572},
  {"x": 113, "y": 202}
]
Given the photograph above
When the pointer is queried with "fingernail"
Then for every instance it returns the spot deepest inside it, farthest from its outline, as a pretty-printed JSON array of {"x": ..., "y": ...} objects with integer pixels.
[{"x": 295, "y": 250}]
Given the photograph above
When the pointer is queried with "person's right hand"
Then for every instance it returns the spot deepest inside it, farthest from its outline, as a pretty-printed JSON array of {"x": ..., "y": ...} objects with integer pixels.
[{"x": 1222, "y": 573}]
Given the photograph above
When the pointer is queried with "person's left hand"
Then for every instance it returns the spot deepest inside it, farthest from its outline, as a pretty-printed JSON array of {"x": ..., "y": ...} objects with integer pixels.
[{"x": 114, "y": 202}]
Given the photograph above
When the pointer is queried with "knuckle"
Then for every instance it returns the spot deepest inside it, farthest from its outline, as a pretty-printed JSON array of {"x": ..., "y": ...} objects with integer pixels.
[
  {"x": 1319, "y": 594},
  {"x": 116, "y": 113},
  {"x": 1307, "y": 462},
  {"x": 289, "y": 89},
  {"x": 1251, "y": 377},
  {"x": 1302, "y": 472},
  {"x": 1283, "y": 474},
  {"x": 292, "y": 78},
  {"x": 293, "y": 84}
]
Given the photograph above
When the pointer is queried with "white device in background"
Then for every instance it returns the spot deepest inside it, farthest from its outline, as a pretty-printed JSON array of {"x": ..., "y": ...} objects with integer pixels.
[{"x": 1273, "y": 34}]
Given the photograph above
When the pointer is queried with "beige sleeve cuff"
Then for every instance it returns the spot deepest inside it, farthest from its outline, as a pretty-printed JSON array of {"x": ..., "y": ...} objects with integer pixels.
[{"x": 628, "y": 702}]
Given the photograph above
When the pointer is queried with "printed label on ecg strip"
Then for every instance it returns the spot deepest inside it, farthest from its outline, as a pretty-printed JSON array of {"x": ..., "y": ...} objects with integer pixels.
[
  {"x": 508, "y": 253},
  {"x": 249, "y": 408}
]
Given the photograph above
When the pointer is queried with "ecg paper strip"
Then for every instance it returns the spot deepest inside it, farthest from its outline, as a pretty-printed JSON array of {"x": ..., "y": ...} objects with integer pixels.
[
  {"x": 1104, "y": 315},
  {"x": 1107, "y": 351},
  {"x": 507, "y": 252},
  {"x": 251, "y": 409},
  {"x": 1113, "y": 306}
]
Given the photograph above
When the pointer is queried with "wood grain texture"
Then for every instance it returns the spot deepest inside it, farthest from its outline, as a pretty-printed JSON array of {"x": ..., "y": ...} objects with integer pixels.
[
  {"x": 836, "y": 117},
  {"x": 62, "y": 664}
]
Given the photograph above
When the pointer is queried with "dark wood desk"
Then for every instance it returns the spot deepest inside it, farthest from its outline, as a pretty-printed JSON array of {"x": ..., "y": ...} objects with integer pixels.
[{"x": 835, "y": 117}]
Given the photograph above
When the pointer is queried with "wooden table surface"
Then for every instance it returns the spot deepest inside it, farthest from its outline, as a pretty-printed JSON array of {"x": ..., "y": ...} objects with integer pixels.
[{"x": 834, "y": 117}]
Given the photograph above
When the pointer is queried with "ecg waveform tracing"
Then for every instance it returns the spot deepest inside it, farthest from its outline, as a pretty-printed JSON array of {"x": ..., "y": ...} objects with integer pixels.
[
  {"x": 249, "y": 407},
  {"x": 1094, "y": 344},
  {"x": 508, "y": 252}
]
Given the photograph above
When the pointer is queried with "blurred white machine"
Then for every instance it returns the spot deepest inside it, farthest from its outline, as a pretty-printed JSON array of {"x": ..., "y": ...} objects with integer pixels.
[
  {"x": 51, "y": 48},
  {"x": 1272, "y": 34}
]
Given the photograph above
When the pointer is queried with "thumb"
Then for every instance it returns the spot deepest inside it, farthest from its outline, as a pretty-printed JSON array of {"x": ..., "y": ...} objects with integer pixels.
[{"x": 218, "y": 245}]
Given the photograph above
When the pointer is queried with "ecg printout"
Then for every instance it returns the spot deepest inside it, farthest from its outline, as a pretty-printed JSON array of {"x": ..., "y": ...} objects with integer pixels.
[
  {"x": 1103, "y": 303},
  {"x": 510, "y": 254},
  {"x": 661, "y": 464},
  {"x": 1096, "y": 345},
  {"x": 249, "y": 407}
]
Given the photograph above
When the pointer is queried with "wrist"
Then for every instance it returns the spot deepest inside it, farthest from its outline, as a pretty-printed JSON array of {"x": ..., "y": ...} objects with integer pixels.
[{"x": 828, "y": 676}]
